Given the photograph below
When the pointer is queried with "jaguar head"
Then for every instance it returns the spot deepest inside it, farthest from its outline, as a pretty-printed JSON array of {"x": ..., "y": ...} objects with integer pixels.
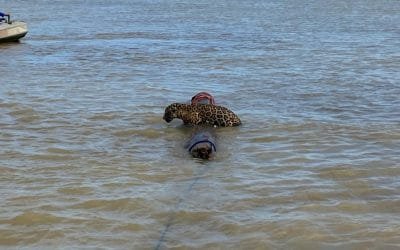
[{"x": 171, "y": 112}]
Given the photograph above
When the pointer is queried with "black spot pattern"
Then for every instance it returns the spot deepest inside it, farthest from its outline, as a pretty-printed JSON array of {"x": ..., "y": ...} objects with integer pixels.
[{"x": 202, "y": 114}]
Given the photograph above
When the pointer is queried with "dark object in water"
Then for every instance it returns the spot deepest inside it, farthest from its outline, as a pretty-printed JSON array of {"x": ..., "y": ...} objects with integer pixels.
[{"x": 202, "y": 145}]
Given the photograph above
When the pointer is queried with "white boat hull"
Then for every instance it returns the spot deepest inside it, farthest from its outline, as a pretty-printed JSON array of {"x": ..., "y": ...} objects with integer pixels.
[{"x": 13, "y": 31}]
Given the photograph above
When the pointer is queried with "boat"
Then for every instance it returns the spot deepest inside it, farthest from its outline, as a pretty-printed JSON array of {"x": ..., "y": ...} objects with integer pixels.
[{"x": 11, "y": 31}]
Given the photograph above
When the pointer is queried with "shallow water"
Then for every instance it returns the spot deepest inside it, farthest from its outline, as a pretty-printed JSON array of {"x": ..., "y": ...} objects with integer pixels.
[{"x": 86, "y": 161}]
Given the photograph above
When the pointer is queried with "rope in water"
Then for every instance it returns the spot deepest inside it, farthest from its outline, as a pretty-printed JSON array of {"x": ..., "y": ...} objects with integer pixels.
[{"x": 176, "y": 208}]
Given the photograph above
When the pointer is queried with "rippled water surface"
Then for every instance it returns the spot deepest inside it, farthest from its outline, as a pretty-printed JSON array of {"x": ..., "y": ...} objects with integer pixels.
[{"x": 86, "y": 161}]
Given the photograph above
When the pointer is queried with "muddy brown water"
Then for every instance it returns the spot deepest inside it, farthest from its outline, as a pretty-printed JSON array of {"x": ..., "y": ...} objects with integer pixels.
[{"x": 86, "y": 161}]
